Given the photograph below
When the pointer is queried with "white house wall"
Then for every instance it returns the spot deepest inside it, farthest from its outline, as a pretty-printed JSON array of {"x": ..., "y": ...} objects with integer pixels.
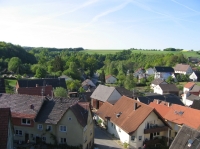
[
  {"x": 111, "y": 80},
  {"x": 193, "y": 77},
  {"x": 124, "y": 137},
  {"x": 114, "y": 97},
  {"x": 158, "y": 90}
]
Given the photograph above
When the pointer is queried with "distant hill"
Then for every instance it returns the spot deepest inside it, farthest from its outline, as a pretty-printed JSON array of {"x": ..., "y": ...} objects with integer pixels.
[
  {"x": 8, "y": 50},
  {"x": 53, "y": 49}
]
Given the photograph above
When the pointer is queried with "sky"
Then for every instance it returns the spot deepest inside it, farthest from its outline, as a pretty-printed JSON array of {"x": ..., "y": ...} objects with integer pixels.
[{"x": 101, "y": 24}]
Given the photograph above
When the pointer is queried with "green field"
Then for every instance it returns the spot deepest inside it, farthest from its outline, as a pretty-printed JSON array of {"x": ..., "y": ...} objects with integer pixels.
[{"x": 186, "y": 53}]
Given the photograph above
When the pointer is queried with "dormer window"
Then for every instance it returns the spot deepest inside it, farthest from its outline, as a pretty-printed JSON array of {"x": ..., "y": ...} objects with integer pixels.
[{"x": 25, "y": 121}]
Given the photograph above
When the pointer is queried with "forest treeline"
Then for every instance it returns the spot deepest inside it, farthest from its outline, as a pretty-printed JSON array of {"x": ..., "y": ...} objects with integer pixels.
[{"x": 43, "y": 62}]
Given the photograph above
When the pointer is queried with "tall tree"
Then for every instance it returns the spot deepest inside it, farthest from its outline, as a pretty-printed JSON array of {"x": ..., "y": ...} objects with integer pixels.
[
  {"x": 60, "y": 92},
  {"x": 14, "y": 64},
  {"x": 102, "y": 77}
]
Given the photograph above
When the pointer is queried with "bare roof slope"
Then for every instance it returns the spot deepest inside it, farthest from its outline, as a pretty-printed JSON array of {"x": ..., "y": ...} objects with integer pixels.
[
  {"x": 4, "y": 121},
  {"x": 181, "y": 67},
  {"x": 185, "y": 136},
  {"x": 102, "y": 92},
  {"x": 20, "y": 105},
  {"x": 168, "y": 87}
]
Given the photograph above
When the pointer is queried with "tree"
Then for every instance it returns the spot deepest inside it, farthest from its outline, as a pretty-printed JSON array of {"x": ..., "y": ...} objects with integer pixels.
[
  {"x": 14, "y": 64},
  {"x": 40, "y": 73},
  {"x": 73, "y": 85},
  {"x": 170, "y": 80},
  {"x": 129, "y": 82},
  {"x": 60, "y": 92},
  {"x": 102, "y": 77}
]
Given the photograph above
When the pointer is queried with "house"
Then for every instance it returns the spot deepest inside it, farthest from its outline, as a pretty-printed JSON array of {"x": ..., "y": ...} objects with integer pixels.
[
  {"x": 186, "y": 137},
  {"x": 46, "y": 119},
  {"x": 110, "y": 79},
  {"x": 196, "y": 104},
  {"x": 102, "y": 94},
  {"x": 122, "y": 91},
  {"x": 193, "y": 60},
  {"x": 88, "y": 84},
  {"x": 166, "y": 88},
  {"x": 138, "y": 72},
  {"x": 169, "y": 98},
  {"x": 156, "y": 82},
  {"x": 195, "y": 76},
  {"x": 183, "y": 69},
  {"x": 6, "y": 129},
  {"x": 65, "y": 77},
  {"x": 163, "y": 72},
  {"x": 177, "y": 115},
  {"x": 38, "y": 90},
  {"x": 54, "y": 82},
  {"x": 132, "y": 122},
  {"x": 2, "y": 86},
  {"x": 190, "y": 92},
  {"x": 150, "y": 71}
]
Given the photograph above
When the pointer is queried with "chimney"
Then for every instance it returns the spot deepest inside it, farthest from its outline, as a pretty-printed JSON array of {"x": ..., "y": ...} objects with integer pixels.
[
  {"x": 135, "y": 106},
  {"x": 157, "y": 101},
  {"x": 31, "y": 106},
  {"x": 37, "y": 85},
  {"x": 168, "y": 104}
]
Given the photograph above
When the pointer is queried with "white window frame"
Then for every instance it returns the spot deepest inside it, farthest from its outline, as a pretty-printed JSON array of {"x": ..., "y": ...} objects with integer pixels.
[
  {"x": 63, "y": 128},
  {"x": 63, "y": 140},
  {"x": 27, "y": 121},
  {"x": 133, "y": 138},
  {"x": 49, "y": 126},
  {"x": 17, "y": 132},
  {"x": 40, "y": 127},
  {"x": 140, "y": 138},
  {"x": 44, "y": 139}
]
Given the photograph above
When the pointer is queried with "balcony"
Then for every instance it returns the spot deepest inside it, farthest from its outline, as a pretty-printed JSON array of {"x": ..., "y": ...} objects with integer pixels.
[{"x": 155, "y": 128}]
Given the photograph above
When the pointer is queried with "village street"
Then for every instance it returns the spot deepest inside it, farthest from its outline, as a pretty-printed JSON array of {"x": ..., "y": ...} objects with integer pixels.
[{"x": 103, "y": 140}]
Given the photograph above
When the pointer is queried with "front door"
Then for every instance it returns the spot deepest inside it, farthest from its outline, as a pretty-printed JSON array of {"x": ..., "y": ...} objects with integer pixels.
[
  {"x": 26, "y": 138},
  {"x": 151, "y": 136}
]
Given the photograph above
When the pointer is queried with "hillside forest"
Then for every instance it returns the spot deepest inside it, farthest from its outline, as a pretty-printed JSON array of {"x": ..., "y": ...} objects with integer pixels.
[{"x": 79, "y": 65}]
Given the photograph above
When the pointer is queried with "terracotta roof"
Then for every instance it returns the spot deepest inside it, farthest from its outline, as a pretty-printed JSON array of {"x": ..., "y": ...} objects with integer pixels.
[
  {"x": 20, "y": 105},
  {"x": 181, "y": 67},
  {"x": 108, "y": 76},
  {"x": 180, "y": 115},
  {"x": 189, "y": 84},
  {"x": 162, "y": 109},
  {"x": 4, "y": 125},
  {"x": 185, "y": 134},
  {"x": 47, "y": 90},
  {"x": 129, "y": 119},
  {"x": 168, "y": 87}
]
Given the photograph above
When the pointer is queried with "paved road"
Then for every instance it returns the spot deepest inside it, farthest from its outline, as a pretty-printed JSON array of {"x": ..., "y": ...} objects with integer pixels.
[{"x": 103, "y": 140}]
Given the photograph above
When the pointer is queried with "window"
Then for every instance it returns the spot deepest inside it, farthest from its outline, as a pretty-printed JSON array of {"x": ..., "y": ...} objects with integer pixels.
[
  {"x": 43, "y": 139},
  {"x": 133, "y": 138},
  {"x": 69, "y": 118},
  {"x": 140, "y": 138},
  {"x": 18, "y": 132},
  {"x": 112, "y": 124},
  {"x": 40, "y": 126},
  {"x": 158, "y": 133},
  {"x": 85, "y": 139},
  {"x": 63, "y": 128},
  {"x": 49, "y": 127},
  {"x": 90, "y": 131},
  {"x": 63, "y": 140},
  {"x": 26, "y": 121}
]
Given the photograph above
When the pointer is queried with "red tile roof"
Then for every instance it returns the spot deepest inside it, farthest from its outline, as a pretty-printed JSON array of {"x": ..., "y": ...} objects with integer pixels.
[
  {"x": 130, "y": 119},
  {"x": 4, "y": 125},
  {"x": 179, "y": 114},
  {"x": 189, "y": 84}
]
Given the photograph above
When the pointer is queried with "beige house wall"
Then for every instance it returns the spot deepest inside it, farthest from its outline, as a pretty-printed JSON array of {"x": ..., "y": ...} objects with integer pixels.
[{"x": 75, "y": 134}]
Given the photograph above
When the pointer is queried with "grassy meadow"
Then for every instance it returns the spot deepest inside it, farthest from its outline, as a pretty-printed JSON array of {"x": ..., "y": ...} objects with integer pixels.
[{"x": 109, "y": 51}]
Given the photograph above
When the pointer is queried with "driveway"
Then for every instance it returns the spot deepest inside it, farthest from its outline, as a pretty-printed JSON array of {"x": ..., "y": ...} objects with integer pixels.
[{"x": 103, "y": 140}]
